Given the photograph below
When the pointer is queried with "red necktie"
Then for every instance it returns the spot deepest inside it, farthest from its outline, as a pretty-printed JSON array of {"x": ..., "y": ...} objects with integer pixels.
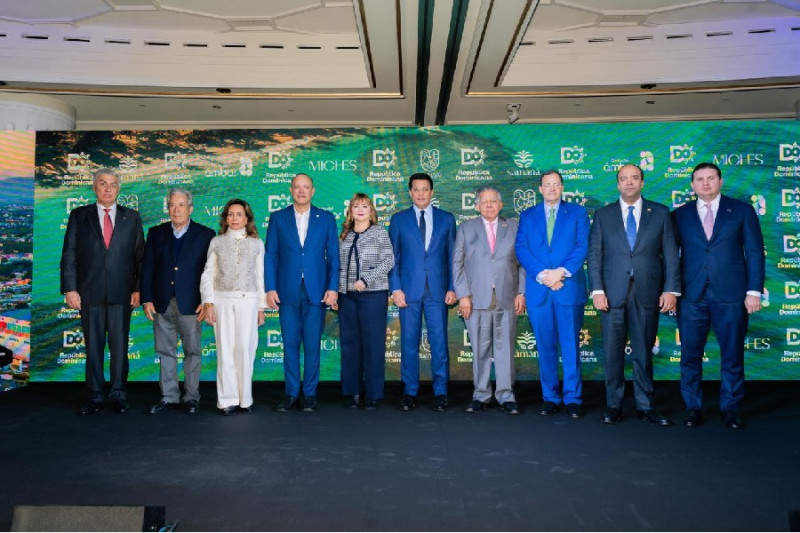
[{"x": 108, "y": 227}]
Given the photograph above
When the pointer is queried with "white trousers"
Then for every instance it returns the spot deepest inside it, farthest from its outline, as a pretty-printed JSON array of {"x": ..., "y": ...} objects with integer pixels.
[{"x": 236, "y": 332}]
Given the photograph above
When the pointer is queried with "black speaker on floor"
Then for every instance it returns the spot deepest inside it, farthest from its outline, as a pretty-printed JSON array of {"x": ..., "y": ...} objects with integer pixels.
[
  {"x": 794, "y": 520},
  {"x": 87, "y": 518}
]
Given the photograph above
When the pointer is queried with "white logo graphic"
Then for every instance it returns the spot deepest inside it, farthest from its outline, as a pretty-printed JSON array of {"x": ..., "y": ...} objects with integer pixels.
[
  {"x": 429, "y": 160},
  {"x": 274, "y": 338},
  {"x": 791, "y": 243},
  {"x": 523, "y": 199},
  {"x": 681, "y": 197},
  {"x": 128, "y": 164},
  {"x": 245, "y": 166},
  {"x": 792, "y": 336},
  {"x": 526, "y": 341},
  {"x": 383, "y": 158},
  {"x": 791, "y": 290},
  {"x": 647, "y": 161},
  {"x": 130, "y": 200},
  {"x": 681, "y": 154},
  {"x": 576, "y": 197},
  {"x": 790, "y": 197},
  {"x": 523, "y": 159},
  {"x": 175, "y": 160},
  {"x": 472, "y": 156},
  {"x": 277, "y": 201},
  {"x": 467, "y": 201},
  {"x": 78, "y": 162},
  {"x": 384, "y": 202},
  {"x": 789, "y": 152},
  {"x": 73, "y": 339},
  {"x": 280, "y": 160},
  {"x": 572, "y": 155},
  {"x": 72, "y": 203},
  {"x": 759, "y": 204}
]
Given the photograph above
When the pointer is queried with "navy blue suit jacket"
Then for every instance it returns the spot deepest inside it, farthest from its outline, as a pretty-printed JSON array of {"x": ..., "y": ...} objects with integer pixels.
[
  {"x": 413, "y": 265},
  {"x": 163, "y": 272},
  {"x": 287, "y": 263},
  {"x": 100, "y": 275},
  {"x": 567, "y": 249},
  {"x": 654, "y": 259},
  {"x": 732, "y": 262}
]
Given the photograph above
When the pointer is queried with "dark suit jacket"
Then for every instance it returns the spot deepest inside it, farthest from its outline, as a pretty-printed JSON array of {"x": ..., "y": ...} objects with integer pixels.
[
  {"x": 287, "y": 263},
  {"x": 732, "y": 261},
  {"x": 413, "y": 265},
  {"x": 654, "y": 259},
  {"x": 100, "y": 275},
  {"x": 162, "y": 271},
  {"x": 567, "y": 249}
]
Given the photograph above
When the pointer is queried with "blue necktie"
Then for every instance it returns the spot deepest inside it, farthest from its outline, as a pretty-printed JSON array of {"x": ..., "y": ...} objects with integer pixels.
[
  {"x": 631, "y": 228},
  {"x": 423, "y": 230}
]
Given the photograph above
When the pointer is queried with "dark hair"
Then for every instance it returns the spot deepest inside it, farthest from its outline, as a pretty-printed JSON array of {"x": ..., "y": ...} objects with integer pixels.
[
  {"x": 420, "y": 176},
  {"x": 551, "y": 171},
  {"x": 705, "y": 165},
  {"x": 250, "y": 228},
  {"x": 641, "y": 172},
  {"x": 349, "y": 222}
]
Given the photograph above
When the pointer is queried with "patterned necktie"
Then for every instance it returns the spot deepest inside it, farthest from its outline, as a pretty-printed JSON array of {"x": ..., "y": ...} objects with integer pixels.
[
  {"x": 551, "y": 224},
  {"x": 708, "y": 222},
  {"x": 492, "y": 237},
  {"x": 631, "y": 227},
  {"x": 108, "y": 227},
  {"x": 423, "y": 229}
]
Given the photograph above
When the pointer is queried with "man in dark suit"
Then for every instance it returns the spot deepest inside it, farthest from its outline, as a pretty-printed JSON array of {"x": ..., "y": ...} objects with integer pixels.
[
  {"x": 301, "y": 274},
  {"x": 174, "y": 257},
  {"x": 490, "y": 287},
  {"x": 100, "y": 265},
  {"x": 551, "y": 244},
  {"x": 633, "y": 274},
  {"x": 421, "y": 282},
  {"x": 722, "y": 269}
]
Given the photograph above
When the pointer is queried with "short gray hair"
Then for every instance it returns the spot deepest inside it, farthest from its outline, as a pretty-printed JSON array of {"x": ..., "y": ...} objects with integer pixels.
[
  {"x": 485, "y": 188},
  {"x": 178, "y": 190}
]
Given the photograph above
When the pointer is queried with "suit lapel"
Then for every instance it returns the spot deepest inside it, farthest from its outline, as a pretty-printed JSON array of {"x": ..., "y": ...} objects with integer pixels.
[
  {"x": 502, "y": 230},
  {"x": 94, "y": 223},
  {"x": 644, "y": 221},
  {"x": 723, "y": 216}
]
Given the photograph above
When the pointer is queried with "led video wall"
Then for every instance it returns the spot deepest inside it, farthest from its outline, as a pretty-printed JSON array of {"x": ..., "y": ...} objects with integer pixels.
[{"x": 760, "y": 161}]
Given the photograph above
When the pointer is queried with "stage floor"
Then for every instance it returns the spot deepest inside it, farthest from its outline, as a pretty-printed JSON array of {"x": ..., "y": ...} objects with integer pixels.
[{"x": 353, "y": 470}]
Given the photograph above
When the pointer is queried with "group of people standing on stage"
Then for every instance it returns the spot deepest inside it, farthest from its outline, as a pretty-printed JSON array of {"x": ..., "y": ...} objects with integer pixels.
[{"x": 705, "y": 260}]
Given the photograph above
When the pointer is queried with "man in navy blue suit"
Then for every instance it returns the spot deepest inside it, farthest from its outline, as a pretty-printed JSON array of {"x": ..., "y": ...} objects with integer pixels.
[
  {"x": 633, "y": 274},
  {"x": 301, "y": 277},
  {"x": 174, "y": 258},
  {"x": 421, "y": 283},
  {"x": 722, "y": 270},
  {"x": 551, "y": 244},
  {"x": 100, "y": 267}
]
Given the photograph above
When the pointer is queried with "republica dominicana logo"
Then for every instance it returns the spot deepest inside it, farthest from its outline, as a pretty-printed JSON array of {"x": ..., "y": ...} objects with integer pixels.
[
  {"x": 429, "y": 159},
  {"x": 279, "y": 159},
  {"x": 383, "y": 158}
]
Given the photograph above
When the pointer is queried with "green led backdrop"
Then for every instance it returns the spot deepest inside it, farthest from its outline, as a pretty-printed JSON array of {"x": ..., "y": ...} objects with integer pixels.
[{"x": 760, "y": 163}]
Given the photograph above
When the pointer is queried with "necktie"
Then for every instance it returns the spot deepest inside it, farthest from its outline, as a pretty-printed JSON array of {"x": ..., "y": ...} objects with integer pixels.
[
  {"x": 708, "y": 222},
  {"x": 108, "y": 227},
  {"x": 551, "y": 224},
  {"x": 423, "y": 229},
  {"x": 492, "y": 237},
  {"x": 631, "y": 227}
]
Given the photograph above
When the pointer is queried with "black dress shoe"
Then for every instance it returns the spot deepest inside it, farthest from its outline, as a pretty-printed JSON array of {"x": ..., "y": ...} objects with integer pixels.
[
  {"x": 548, "y": 409},
  {"x": 227, "y": 411},
  {"x": 574, "y": 410},
  {"x": 732, "y": 420},
  {"x": 192, "y": 407},
  {"x": 510, "y": 408},
  {"x": 161, "y": 406},
  {"x": 693, "y": 418},
  {"x": 121, "y": 406},
  {"x": 653, "y": 417},
  {"x": 290, "y": 402},
  {"x": 354, "y": 402},
  {"x": 475, "y": 406},
  {"x": 408, "y": 403},
  {"x": 441, "y": 404},
  {"x": 371, "y": 405},
  {"x": 612, "y": 415},
  {"x": 90, "y": 408},
  {"x": 309, "y": 404},
  {"x": 248, "y": 409}
]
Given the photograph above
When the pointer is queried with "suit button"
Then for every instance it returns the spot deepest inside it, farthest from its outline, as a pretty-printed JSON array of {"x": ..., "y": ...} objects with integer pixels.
[{"x": 176, "y": 268}]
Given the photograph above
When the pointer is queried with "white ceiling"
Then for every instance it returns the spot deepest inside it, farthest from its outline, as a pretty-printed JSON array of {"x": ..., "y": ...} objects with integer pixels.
[{"x": 141, "y": 64}]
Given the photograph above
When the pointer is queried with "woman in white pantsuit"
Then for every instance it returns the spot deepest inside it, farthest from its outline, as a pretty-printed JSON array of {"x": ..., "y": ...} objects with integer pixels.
[{"x": 232, "y": 289}]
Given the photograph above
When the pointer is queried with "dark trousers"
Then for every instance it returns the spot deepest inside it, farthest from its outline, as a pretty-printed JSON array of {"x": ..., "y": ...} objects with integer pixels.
[
  {"x": 638, "y": 323},
  {"x": 362, "y": 329},
  {"x": 301, "y": 322},
  {"x": 98, "y": 321},
  {"x": 729, "y": 321}
]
